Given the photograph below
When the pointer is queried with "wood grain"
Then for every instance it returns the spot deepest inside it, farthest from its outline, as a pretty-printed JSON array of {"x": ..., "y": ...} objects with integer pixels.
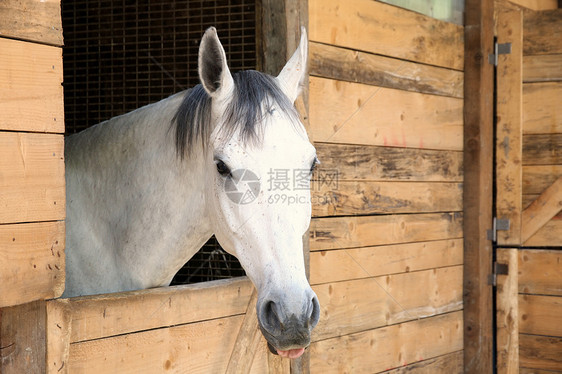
[
  {"x": 542, "y": 112},
  {"x": 540, "y": 352},
  {"x": 38, "y": 21},
  {"x": 31, "y": 98},
  {"x": 542, "y": 210},
  {"x": 386, "y": 30},
  {"x": 547, "y": 236},
  {"x": 540, "y": 272},
  {"x": 543, "y": 149},
  {"x": 543, "y": 32},
  {"x": 446, "y": 364},
  {"x": 540, "y": 315},
  {"x": 537, "y": 178},
  {"x": 507, "y": 313},
  {"x": 353, "y": 113},
  {"x": 542, "y": 68}
]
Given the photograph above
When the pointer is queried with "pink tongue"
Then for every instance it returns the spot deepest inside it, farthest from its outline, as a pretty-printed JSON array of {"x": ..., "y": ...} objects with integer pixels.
[{"x": 291, "y": 353}]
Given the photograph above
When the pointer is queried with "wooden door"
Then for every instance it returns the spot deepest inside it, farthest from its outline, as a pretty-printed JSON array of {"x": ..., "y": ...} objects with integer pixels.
[{"x": 528, "y": 268}]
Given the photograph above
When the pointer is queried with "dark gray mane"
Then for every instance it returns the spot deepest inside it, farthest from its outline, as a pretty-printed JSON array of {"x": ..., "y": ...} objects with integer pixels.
[{"x": 254, "y": 94}]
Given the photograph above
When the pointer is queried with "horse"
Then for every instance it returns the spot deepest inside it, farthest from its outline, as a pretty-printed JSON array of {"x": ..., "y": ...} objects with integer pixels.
[{"x": 145, "y": 190}]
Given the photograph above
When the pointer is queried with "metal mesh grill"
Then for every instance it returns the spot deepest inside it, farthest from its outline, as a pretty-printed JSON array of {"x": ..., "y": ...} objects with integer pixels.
[{"x": 120, "y": 55}]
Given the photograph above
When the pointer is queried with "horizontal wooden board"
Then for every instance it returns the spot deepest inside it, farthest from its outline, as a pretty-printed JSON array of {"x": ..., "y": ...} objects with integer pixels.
[
  {"x": 542, "y": 68},
  {"x": 447, "y": 364},
  {"x": 386, "y": 300},
  {"x": 355, "y": 263},
  {"x": 538, "y": 178},
  {"x": 32, "y": 185},
  {"x": 95, "y": 317},
  {"x": 542, "y": 149},
  {"x": 31, "y": 98},
  {"x": 540, "y": 315},
  {"x": 542, "y": 111},
  {"x": 537, "y": 371},
  {"x": 31, "y": 262},
  {"x": 202, "y": 347},
  {"x": 350, "y": 232},
  {"x": 540, "y": 272},
  {"x": 550, "y": 235},
  {"x": 354, "y": 113},
  {"x": 386, "y": 30},
  {"x": 537, "y": 4},
  {"x": 389, "y": 347},
  {"x": 356, "y": 198},
  {"x": 542, "y": 32},
  {"x": 329, "y": 61},
  {"x": 540, "y": 352},
  {"x": 39, "y": 21}
]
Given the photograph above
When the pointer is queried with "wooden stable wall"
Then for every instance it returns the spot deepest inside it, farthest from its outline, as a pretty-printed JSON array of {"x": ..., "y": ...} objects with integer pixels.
[
  {"x": 386, "y": 116},
  {"x": 529, "y": 190}
]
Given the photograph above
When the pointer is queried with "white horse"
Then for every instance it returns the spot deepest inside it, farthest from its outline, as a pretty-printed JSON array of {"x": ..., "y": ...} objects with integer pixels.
[{"x": 147, "y": 189}]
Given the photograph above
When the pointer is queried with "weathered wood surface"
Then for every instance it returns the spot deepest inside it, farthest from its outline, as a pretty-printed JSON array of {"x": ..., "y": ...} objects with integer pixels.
[
  {"x": 540, "y": 272},
  {"x": 542, "y": 68},
  {"x": 543, "y": 32},
  {"x": 540, "y": 352},
  {"x": 335, "y": 266},
  {"x": 357, "y": 198},
  {"x": 542, "y": 210},
  {"x": 31, "y": 262},
  {"x": 57, "y": 335},
  {"x": 537, "y": 178},
  {"x": 386, "y": 300},
  {"x": 542, "y": 112},
  {"x": 507, "y": 313},
  {"x": 22, "y": 339},
  {"x": 543, "y": 149},
  {"x": 349, "y": 232},
  {"x": 32, "y": 185},
  {"x": 447, "y": 364},
  {"x": 388, "y": 163},
  {"x": 31, "y": 98},
  {"x": 547, "y": 236},
  {"x": 386, "y": 30},
  {"x": 478, "y": 148},
  {"x": 354, "y": 113},
  {"x": 38, "y": 21},
  {"x": 332, "y": 62},
  {"x": 95, "y": 317},
  {"x": 509, "y": 104},
  {"x": 389, "y": 347},
  {"x": 537, "y": 4},
  {"x": 540, "y": 315}
]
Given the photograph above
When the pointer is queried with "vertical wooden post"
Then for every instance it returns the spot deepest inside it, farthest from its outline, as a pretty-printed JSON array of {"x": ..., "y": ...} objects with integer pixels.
[
  {"x": 507, "y": 306},
  {"x": 478, "y": 188}
]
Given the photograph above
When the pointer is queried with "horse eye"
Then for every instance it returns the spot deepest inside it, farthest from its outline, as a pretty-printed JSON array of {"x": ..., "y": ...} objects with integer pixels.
[{"x": 222, "y": 168}]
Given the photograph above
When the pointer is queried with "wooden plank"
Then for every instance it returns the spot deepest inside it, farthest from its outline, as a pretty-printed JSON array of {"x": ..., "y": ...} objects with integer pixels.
[
  {"x": 478, "y": 148},
  {"x": 31, "y": 98},
  {"x": 509, "y": 106},
  {"x": 57, "y": 333},
  {"x": 388, "y": 163},
  {"x": 39, "y": 21},
  {"x": 542, "y": 32},
  {"x": 446, "y": 364},
  {"x": 548, "y": 236},
  {"x": 542, "y": 149},
  {"x": 356, "y": 263},
  {"x": 386, "y": 300},
  {"x": 32, "y": 185},
  {"x": 540, "y": 352},
  {"x": 540, "y": 315},
  {"x": 31, "y": 262},
  {"x": 541, "y": 108},
  {"x": 345, "y": 112},
  {"x": 329, "y": 61},
  {"x": 537, "y": 178},
  {"x": 247, "y": 340},
  {"x": 395, "y": 346},
  {"x": 542, "y": 210},
  {"x": 356, "y": 198},
  {"x": 202, "y": 347},
  {"x": 349, "y": 232},
  {"x": 507, "y": 313},
  {"x": 542, "y": 68},
  {"x": 537, "y": 4},
  {"x": 22, "y": 339},
  {"x": 95, "y": 317},
  {"x": 540, "y": 272},
  {"x": 399, "y": 33},
  {"x": 537, "y": 371}
]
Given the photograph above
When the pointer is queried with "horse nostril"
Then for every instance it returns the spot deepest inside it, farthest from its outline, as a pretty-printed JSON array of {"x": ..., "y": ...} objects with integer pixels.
[
  {"x": 314, "y": 312},
  {"x": 271, "y": 316}
]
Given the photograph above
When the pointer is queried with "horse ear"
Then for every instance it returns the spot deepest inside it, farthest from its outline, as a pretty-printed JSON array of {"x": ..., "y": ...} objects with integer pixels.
[
  {"x": 213, "y": 69},
  {"x": 292, "y": 75}
]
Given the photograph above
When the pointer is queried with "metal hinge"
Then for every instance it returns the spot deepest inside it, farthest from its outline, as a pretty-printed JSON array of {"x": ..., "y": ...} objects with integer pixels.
[
  {"x": 497, "y": 225},
  {"x": 499, "y": 269},
  {"x": 499, "y": 49}
]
